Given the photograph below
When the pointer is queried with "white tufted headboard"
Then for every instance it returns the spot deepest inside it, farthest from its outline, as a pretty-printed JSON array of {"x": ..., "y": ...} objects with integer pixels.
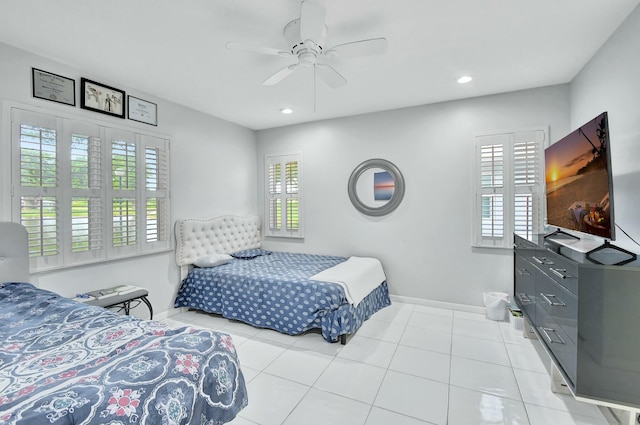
[
  {"x": 14, "y": 253},
  {"x": 227, "y": 234}
]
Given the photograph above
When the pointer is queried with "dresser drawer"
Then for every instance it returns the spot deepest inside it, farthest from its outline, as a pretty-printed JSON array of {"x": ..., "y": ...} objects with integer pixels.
[
  {"x": 522, "y": 243},
  {"x": 525, "y": 285},
  {"x": 564, "y": 272},
  {"x": 558, "y": 343},
  {"x": 558, "y": 304}
]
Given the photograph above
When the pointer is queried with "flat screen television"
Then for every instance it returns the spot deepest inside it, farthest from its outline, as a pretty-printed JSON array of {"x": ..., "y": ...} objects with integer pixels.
[{"x": 579, "y": 183}]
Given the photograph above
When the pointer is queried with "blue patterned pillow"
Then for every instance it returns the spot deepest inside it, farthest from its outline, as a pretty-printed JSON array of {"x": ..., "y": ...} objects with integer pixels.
[{"x": 248, "y": 254}]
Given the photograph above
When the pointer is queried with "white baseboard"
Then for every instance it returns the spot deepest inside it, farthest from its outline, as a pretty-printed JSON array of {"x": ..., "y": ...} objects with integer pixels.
[
  {"x": 439, "y": 304},
  {"x": 174, "y": 311},
  {"x": 169, "y": 313},
  {"x": 161, "y": 316}
]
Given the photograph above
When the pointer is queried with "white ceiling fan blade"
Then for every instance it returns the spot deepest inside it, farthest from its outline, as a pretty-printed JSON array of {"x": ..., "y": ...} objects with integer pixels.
[
  {"x": 330, "y": 75},
  {"x": 372, "y": 46},
  {"x": 312, "y": 16},
  {"x": 280, "y": 75},
  {"x": 232, "y": 45}
]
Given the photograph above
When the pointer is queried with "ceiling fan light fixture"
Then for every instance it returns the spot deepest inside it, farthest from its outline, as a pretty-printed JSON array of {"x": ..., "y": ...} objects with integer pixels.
[
  {"x": 464, "y": 79},
  {"x": 286, "y": 111},
  {"x": 306, "y": 36}
]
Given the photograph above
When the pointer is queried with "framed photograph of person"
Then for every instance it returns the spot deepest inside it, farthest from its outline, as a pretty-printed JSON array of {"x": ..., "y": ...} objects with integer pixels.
[
  {"x": 53, "y": 87},
  {"x": 101, "y": 98}
]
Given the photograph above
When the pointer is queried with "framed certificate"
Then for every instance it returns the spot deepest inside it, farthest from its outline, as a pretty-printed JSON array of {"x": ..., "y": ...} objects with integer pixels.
[
  {"x": 101, "y": 98},
  {"x": 143, "y": 111},
  {"x": 53, "y": 87}
]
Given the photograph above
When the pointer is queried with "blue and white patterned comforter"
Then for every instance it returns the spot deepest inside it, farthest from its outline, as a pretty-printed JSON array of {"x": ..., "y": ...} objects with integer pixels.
[
  {"x": 274, "y": 291},
  {"x": 64, "y": 362}
]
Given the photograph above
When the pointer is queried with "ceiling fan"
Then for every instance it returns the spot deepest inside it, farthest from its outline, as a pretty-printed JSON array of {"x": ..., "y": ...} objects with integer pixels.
[{"x": 306, "y": 38}]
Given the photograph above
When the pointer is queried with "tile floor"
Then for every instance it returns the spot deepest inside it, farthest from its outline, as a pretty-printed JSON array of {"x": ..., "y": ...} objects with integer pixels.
[{"x": 407, "y": 365}]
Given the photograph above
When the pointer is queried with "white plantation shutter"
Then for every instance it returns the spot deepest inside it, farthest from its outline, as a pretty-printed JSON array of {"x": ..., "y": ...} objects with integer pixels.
[
  {"x": 39, "y": 215},
  {"x": 156, "y": 191},
  {"x": 123, "y": 193},
  {"x": 124, "y": 222},
  {"x": 123, "y": 164},
  {"x": 274, "y": 203},
  {"x": 84, "y": 153},
  {"x": 292, "y": 168},
  {"x": 36, "y": 184},
  {"x": 528, "y": 169},
  {"x": 492, "y": 191},
  {"x": 86, "y": 224},
  {"x": 283, "y": 196},
  {"x": 87, "y": 192},
  {"x": 509, "y": 187}
]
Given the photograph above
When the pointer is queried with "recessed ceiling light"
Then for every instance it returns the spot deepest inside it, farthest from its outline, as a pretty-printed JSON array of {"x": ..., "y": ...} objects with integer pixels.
[
  {"x": 286, "y": 111},
  {"x": 464, "y": 80}
]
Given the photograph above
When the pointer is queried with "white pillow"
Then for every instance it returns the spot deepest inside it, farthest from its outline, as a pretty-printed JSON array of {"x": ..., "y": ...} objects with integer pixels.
[{"x": 212, "y": 260}]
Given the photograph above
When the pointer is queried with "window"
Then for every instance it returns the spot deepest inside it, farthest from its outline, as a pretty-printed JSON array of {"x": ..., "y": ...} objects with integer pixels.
[
  {"x": 283, "y": 196},
  {"x": 85, "y": 191},
  {"x": 86, "y": 184},
  {"x": 509, "y": 187}
]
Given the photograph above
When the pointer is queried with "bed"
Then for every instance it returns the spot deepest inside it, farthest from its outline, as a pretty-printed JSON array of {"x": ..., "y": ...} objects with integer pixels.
[
  {"x": 64, "y": 362},
  {"x": 288, "y": 292}
]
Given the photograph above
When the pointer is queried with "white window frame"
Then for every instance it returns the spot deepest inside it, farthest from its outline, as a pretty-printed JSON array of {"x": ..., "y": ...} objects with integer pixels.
[
  {"x": 284, "y": 230},
  {"x": 65, "y": 126},
  {"x": 523, "y": 176}
]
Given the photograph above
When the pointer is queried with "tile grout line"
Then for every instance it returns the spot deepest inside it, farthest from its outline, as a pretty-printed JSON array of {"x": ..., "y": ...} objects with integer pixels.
[
  {"x": 450, "y": 369},
  {"x": 386, "y": 371}
]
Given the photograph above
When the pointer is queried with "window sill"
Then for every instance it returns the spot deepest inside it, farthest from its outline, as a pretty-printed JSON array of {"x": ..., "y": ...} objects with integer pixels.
[{"x": 60, "y": 268}]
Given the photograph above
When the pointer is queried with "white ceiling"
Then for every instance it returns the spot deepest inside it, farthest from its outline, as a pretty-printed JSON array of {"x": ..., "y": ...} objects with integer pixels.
[{"x": 175, "y": 49}]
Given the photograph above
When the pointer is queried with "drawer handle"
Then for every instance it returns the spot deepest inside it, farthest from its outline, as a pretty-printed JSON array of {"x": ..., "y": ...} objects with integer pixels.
[
  {"x": 545, "y": 332},
  {"x": 524, "y": 272},
  {"x": 561, "y": 273},
  {"x": 523, "y": 297},
  {"x": 542, "y": 260},
  {"x": 557, "y": 303}
]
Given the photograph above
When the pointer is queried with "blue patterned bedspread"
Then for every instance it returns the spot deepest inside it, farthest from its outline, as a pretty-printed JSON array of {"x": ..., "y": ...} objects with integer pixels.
[
  {"x": 64, "y": 362},
  {"x": 274, "y": 291}
]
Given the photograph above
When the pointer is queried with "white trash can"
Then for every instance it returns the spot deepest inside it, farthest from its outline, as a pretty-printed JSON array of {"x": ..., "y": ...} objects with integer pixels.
[{"x": 496, "y": 304}]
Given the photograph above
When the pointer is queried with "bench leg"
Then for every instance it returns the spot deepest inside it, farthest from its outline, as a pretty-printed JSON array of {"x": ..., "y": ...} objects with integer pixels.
[{"x": 146, "y": 301}]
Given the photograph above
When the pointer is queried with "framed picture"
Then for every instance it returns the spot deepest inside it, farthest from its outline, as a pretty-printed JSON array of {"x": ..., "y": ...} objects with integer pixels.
[
  {"x": 142, "y": 111},
  {"x": 383, "y": 186},
  {"x": 100, "y": 98},
  {"x": 53, "y": 87}
]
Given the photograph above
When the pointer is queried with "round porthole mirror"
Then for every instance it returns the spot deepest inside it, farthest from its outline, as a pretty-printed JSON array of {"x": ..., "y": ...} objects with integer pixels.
[{"x": 376, "y": 187}]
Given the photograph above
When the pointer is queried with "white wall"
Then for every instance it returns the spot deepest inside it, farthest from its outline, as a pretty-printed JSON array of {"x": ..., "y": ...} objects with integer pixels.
[
  {"x": 212, "y": 164},
  {"x": 610, "y": 82},
  {"x": 425, "y": 245}
]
